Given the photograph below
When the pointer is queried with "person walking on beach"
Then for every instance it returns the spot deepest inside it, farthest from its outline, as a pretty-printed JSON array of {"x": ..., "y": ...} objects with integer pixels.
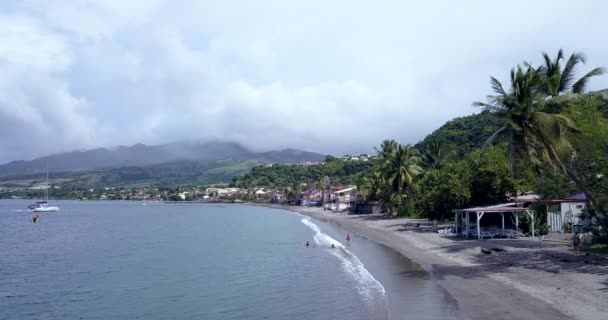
[
  {"x": 348, "y": 239},
  {"x": 576, "y": 243}
]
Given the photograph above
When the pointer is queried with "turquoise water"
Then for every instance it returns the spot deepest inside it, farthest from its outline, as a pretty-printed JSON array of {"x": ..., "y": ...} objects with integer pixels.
[{"x": 121, "y": 260}]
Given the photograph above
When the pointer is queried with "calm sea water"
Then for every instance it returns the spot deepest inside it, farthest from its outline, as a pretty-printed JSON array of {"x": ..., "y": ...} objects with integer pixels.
[{"x": 121, "y": 260}]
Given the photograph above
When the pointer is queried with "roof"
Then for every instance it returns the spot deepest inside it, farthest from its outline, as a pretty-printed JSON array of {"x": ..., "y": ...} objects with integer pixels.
[
  {"x": 528, "y": 198},
  {"x": 505, "y": 207},
  {"x": 579, "y": 197},
  {"x": 345, "y": 189},
  {"x": 531, "y": 198}
]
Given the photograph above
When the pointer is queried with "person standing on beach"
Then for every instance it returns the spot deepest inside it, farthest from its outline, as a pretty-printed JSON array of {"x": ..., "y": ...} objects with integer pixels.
[
  {"x": 576, "y": 243},
  {"x": 348, "y": 239}
]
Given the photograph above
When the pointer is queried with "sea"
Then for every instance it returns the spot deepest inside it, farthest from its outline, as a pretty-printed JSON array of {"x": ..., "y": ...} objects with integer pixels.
[{"x": 125, "y": 260}]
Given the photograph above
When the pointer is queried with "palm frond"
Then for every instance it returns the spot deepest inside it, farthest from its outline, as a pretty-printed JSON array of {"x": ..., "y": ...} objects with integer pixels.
[
  {"x": 581, "y": 84},
  {"x": 497, "y": 86},
  {"x": 567, "y": 75},
  {"x": 495, "y": 135}
]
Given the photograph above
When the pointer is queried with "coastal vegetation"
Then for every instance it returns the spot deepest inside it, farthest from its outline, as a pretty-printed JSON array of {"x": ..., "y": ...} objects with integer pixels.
[
  {"x": 341, "y": 172},
  {"x": 541, "y": 133}
]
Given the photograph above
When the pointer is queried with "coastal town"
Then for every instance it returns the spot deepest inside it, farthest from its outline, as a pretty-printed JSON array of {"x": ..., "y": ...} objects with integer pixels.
[{"x": 329, "y": 160}]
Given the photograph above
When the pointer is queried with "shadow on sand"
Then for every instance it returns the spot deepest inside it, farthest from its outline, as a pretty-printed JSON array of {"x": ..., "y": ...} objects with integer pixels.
[{"x": 545, "y": 258}]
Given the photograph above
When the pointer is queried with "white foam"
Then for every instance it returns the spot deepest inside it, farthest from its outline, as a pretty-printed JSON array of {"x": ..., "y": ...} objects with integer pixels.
[{"x": 366, "y": 284}]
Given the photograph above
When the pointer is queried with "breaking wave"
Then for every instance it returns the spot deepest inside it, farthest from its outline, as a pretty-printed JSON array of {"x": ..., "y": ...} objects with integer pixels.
[{"x": 370, "y": 288}]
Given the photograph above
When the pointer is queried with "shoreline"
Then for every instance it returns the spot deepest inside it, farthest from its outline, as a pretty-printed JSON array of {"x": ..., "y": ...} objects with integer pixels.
[{"x": 525, "y": 281}]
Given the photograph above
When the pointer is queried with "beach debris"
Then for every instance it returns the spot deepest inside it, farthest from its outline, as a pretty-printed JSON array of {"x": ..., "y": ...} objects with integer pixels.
[
  {"x": 486, "y": 251},
  {"x": 497, "y": 249}
]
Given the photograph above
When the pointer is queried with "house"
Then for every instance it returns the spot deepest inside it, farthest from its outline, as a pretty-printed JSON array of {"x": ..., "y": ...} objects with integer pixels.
[
  {"x": 232, "y": 190},
  {"x": 217, "y": 192},
  {"x": 278, "y": 197},
  {"x": 564, "y": 214},
  {"x": 567, "y": 212},
  {"x": 311, "y": 197},
  {"x": 341, "y": 197},
  {"x": 343, "y": 193},
  {"x": 261, "y": 195}
]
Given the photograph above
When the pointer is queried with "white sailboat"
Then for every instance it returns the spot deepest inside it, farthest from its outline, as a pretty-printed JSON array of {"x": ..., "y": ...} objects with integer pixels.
[{"x": 43, "y": 206}]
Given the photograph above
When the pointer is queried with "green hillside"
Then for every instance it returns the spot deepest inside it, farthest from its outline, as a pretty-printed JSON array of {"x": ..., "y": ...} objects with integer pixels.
[
  {"x": 340, "y": 172},
  {"x": 465, "y": 134}
]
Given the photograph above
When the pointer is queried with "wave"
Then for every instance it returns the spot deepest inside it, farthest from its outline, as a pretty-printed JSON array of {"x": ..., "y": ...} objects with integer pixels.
[{"x": 370, "y": 288}]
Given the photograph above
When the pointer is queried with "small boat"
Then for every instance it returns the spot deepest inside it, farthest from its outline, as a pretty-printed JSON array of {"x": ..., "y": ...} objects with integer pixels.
[{"x": 42, "y": 206}]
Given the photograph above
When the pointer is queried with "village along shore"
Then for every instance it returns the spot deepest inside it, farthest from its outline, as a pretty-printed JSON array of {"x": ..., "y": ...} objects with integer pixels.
[{"x": 523, "y": 279}]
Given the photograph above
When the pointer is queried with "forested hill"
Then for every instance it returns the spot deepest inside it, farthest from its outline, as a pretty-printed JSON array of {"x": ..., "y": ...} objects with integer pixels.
[
  {"x": 340, "y": 172},
  {"x": 462, "y": 135},
  {"x": 465, "y": 134}
]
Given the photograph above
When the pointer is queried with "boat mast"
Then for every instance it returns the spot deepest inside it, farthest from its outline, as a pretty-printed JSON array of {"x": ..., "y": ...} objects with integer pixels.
[{"x": 46, "y": 190}]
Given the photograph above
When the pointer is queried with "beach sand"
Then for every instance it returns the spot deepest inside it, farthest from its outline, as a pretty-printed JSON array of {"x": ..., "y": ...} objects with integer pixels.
[{"x": 526, "y": 281}]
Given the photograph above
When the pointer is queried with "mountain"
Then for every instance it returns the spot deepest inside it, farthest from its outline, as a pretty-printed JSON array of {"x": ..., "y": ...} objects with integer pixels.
[
  {"x": 289, "y": 156},
  {"x": 142, "y": 155}
]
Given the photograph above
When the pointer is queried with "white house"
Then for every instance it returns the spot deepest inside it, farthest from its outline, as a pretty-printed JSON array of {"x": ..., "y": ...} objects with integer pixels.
[
  {"x": 567, "y": 211},
  {"x": 342, "y": 198}
]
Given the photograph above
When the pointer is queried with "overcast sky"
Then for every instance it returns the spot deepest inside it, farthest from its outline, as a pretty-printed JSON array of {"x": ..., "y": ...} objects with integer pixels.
[{"x": 326, "y": 76}]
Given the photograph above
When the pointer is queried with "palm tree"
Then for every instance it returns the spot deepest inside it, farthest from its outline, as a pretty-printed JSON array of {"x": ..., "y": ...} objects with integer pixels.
[
  {"x": 531, "y": 109},
  {"x": 293, "y": 194},
  {"x": 435, "y": 155},
  {"x": 400, "y": 171},
  {"x": 318, "y": 185},
  {"x": 557, "y": 80},
  {"x": 534, "y": 132},
  {"x": 387, "y": 148}
]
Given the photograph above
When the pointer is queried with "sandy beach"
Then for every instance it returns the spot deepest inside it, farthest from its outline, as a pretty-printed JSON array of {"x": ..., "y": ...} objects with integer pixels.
[{"x": 525, "y": 281}]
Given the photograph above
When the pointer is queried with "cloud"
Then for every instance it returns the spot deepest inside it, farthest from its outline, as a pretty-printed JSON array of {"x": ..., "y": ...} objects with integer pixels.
[{"x": 333, "y": 77}]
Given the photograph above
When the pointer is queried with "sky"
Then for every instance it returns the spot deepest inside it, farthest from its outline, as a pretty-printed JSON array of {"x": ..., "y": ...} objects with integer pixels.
[{"x": 327, "y": 76}]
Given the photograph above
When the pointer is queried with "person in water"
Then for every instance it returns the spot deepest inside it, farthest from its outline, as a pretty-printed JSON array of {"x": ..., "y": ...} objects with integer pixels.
[
  {"x": 348, "y": 239},
  {"x": 332, "y": 246},
  {"x": 307, "y": 244}
]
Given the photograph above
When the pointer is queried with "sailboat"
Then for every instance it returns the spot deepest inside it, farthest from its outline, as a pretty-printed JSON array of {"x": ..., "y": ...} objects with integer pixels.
[{"x": 43, "y": 206}]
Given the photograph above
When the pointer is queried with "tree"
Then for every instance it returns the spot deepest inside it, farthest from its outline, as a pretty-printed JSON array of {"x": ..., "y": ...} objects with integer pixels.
[
  {"x": 533, "y": 132},
  {"x": 440, "y": 191},
  {"x": 590, "y": 164},
  {"x": 490, "y": 178},
  {"x": 399, "y": 167},
  {"x": 330, "y": 158},
  {"x": 293, "y": 194},
  {"x": 557, "y": 80},
  {"x": 435, "y": 155}
]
